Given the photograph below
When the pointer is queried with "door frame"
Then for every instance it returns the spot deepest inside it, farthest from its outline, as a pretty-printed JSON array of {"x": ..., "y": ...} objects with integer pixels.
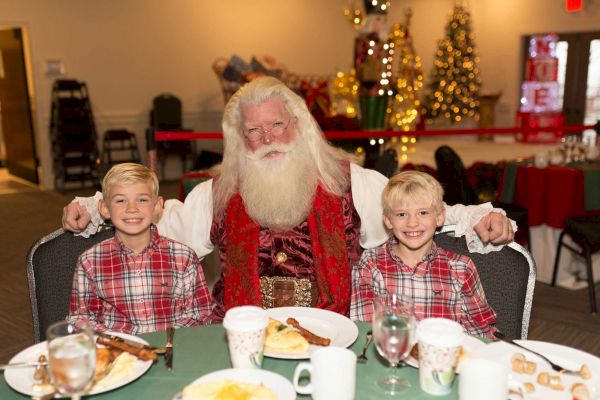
[{"x": 27, "y": 74}]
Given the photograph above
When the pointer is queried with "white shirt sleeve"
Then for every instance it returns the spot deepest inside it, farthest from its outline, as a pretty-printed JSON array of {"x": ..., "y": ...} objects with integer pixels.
[
  {"x": 190, "y": 222},
  {"x": 466, "y": 217},
  {"x": 367, "y": 186}
]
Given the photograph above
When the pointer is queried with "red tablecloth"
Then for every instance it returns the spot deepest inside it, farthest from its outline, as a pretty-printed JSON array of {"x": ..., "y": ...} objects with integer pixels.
[{"x": 550, "y": 194}]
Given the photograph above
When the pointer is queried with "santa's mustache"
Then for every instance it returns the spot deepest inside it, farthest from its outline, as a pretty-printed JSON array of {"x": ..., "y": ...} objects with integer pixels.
[{"x": 260, "y": 153}]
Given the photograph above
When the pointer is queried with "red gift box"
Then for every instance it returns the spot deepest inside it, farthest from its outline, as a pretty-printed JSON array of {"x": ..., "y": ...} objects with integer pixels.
[
  {"x": 536, "y": 120},
  {"x": 542, "y": 70},
  {"x": 543, "y": 46},
  {"x": 539, "y": 97}
]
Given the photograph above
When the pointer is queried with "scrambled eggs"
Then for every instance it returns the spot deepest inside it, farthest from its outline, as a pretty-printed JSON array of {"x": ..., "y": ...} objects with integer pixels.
[{"x": 227, "y": 390}]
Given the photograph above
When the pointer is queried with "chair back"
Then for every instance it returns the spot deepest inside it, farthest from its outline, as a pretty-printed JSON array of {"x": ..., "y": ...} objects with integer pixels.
[
  {"x": 452, "y": 175},
  {"x": 387, "y": 163},
  {"x": 50, "y": 266},
  {"x": 166, "y": 113},
  {"x": 507, "y": 277}
]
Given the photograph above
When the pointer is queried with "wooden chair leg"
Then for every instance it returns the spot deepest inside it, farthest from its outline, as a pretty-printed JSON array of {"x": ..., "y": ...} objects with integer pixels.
[
  {"x": 557, "y": 258},
  {"x": 591, "y": 283}
]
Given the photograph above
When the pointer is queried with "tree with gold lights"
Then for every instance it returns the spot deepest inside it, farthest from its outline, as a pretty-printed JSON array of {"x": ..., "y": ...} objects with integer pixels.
[
  {"x": 407, "y": 77},
  {"x": 455, "y": 81}
]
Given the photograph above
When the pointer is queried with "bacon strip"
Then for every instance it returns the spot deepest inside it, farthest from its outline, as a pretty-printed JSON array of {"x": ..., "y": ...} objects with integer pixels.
[
  {"x": 139, "y": 352},
  {"x": 308, "y": 335}
]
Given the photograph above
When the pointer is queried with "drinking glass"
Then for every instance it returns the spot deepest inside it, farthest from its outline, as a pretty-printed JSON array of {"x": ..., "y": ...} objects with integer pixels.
[
  {"x": 72, "y": 358},
  {"x": 393, "y": 333}
]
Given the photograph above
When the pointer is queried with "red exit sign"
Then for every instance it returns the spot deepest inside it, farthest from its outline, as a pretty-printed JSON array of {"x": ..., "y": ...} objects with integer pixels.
[{"x": 574, "y": 5}]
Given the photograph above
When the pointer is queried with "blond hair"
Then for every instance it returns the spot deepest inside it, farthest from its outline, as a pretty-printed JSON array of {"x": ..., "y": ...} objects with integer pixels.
[
  {"x": 128, "y": 174},
  {"x": 326, "y": 158},
  {"x": 412, "y": 185}
]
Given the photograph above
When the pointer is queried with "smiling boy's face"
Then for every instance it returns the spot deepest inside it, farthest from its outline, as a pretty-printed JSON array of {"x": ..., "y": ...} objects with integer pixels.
[
  {"x": 414, "y": 222},
  {"x": 131, "y": 208}
]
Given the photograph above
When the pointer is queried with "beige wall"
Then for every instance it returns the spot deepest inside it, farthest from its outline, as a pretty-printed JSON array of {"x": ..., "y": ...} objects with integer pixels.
[{"x": 128, "y": 51}]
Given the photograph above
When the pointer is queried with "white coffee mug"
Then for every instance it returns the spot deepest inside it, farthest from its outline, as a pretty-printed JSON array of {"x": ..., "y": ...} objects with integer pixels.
[
  {"x": 332, "y": 374},
  {"x": 486, "y": 379}
]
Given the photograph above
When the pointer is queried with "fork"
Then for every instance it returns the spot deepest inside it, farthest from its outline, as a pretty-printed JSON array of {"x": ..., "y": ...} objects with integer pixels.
[
  {"x": 362, "y": 358},
  {"x": 555, "y": 367}
]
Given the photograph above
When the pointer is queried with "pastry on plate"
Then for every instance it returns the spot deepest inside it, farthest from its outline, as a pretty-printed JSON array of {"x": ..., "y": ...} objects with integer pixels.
[{"x": 283, "y": 339}]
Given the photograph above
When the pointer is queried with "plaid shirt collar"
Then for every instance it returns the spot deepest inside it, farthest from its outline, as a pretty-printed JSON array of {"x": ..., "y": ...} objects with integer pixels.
[
  {"x": 431, "y": 254},
  {"x": 152, "y": 246}
]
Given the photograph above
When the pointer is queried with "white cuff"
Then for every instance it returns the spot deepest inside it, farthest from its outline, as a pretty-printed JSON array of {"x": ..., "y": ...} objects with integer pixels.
[{"x": 465, "y": 227}]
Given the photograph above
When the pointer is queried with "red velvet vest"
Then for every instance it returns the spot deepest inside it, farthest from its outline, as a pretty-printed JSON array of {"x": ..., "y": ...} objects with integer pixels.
[{"x": 297, "y": 245}]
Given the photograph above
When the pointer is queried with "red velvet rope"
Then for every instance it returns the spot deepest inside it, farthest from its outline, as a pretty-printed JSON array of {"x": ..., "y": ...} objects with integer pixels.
[{"x": 162, "y": 135}]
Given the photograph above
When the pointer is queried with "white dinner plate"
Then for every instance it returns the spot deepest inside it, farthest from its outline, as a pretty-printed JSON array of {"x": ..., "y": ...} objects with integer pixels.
[
  {"x": 471, "y": 344},
  {"x": 21, "y": 379},
  {"x": 339, "y": 329},
  {"x": 564, "y": 356},
  {"x": 282, "y": 388}
]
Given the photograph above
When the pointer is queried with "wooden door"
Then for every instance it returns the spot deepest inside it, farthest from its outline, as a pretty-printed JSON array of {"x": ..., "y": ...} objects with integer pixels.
[{"x": 15, "y": 106}]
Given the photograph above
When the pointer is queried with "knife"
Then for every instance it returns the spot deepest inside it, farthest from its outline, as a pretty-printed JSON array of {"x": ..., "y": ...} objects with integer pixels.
[
  {"x": 157, "y": 350},
  {"x": 23, "y": 364},
  {"x": 169, "y": 349}
]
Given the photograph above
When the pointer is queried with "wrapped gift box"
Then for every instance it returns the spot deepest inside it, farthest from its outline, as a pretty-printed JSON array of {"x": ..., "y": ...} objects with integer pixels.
[{"x": 535, "y": 120}]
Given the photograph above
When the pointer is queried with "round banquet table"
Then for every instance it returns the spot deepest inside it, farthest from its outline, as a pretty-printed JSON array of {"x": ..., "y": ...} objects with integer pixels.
[
  {"x": 200, "y": 350},
  {"x": 550, "y": 195}
]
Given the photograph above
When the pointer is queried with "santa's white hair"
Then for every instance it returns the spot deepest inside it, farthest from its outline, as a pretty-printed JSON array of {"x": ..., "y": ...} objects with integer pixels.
[{"x": 326, "y": 159}]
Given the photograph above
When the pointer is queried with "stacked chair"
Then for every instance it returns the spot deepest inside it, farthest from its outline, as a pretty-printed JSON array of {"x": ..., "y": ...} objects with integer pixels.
[{"x": 73, "y": 132}]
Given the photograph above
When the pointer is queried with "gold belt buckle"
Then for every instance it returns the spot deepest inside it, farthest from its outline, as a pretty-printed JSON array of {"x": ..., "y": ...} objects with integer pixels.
[{"x": 278, "y": 291}]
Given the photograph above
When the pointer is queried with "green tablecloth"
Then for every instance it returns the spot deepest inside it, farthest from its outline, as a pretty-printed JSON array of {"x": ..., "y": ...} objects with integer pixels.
[{"x": 201, "y": 350}]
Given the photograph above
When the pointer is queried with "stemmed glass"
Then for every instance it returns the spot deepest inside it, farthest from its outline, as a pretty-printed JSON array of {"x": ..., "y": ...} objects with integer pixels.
[
  {"x": 72, "y": 358},
  {"x": 393, "y": 332}
]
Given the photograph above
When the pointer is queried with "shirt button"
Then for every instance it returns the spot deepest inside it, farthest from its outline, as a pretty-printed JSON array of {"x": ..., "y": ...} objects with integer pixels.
[{"x": 281, "y": 257}]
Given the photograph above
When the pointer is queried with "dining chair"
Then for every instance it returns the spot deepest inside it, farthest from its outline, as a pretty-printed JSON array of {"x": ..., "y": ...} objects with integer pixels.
[
  {"x": 387, "y": 163},
  {"x": 453, "y": 176},
  {"x": 50, "y": 266},
  {"x": 508, "y": 279},
  {"x": 585, "y": 231},
  {"x": 166, "y": 115}
]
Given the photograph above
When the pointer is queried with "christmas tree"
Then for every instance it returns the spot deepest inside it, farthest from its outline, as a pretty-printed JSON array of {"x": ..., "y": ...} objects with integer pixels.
[
  {"x": 455, "y": 80},
  {"x": 407, "y": 78}
]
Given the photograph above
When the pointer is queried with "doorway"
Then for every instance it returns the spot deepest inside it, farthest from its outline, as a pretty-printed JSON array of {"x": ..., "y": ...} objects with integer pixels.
[
  {"x": 581, "y": 95},
  {"x": 15, "y": 107}
]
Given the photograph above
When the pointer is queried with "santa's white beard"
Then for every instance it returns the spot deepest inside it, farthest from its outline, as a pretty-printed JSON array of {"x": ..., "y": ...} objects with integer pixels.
[{"x": 278, "y": 193}]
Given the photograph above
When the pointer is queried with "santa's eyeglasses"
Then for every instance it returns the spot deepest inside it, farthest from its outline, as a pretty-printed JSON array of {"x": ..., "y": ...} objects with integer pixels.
[{"x": 276, "y": 129}]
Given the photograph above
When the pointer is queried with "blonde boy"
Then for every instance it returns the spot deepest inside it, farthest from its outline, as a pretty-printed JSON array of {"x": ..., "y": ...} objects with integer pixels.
[
  {"x": 137, "y": 281},
  {"x": 440, "y": 282}
]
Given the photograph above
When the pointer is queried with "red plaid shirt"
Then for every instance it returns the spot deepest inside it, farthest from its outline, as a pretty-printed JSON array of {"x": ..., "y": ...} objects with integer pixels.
[
  {"x": 115, "y": 289},
  {"x": 444, "y": 284}
]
